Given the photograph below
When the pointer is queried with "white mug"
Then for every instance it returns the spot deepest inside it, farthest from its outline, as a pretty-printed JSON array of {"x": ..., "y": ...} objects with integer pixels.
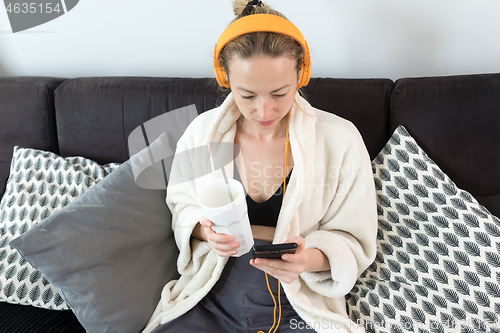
[{"x": 228, "y": 217}]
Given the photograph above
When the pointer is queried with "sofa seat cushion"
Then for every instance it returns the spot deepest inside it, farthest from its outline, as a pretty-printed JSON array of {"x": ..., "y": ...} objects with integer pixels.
[{"x": 17, "y": 318}]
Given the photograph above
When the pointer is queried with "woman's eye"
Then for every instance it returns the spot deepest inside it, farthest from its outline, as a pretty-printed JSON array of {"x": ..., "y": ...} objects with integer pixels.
[
  {"x": 247, "y": 97},
  {"x": 282, "y": 95}
]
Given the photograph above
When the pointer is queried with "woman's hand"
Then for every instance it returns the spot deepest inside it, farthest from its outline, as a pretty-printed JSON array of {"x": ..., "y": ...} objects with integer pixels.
[
  {"x": 290, "y": 266},
  {"x": 224, "y": 245}
]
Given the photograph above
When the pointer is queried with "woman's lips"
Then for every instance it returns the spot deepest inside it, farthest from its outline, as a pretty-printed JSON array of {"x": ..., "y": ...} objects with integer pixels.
[{"x": 265, "y": 123}]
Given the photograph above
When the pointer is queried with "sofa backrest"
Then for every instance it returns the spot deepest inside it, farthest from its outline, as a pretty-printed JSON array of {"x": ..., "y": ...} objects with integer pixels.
[
  {"x": 27, "y": 117},
  {"x": 93, "y": 117},
  {"x": 456, "y": 120},
  {"x": 96, "y": 115},
  {"x": 365, "y": 102}
]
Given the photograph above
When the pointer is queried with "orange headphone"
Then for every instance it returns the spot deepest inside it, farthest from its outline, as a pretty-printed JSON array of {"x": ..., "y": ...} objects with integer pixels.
[{"x": 262, "y": 22}]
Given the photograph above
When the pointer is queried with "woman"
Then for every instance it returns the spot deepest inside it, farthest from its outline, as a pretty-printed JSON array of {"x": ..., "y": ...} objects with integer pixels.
[{"x": 329, "y": 206}]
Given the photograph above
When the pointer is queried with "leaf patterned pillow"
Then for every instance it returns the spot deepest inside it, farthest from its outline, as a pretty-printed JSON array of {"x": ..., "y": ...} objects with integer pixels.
[
  {"x": 40, "y": 183},
  {"x": 437, "y": 267}
]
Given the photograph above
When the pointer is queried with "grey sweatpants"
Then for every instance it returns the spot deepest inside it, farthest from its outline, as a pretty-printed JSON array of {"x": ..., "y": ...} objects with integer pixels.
[{"x": 239, "y": 302}]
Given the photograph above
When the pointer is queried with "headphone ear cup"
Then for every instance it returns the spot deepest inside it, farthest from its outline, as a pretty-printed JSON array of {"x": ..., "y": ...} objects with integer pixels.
[
  {"x": 305, "y": 68},
  {"x": 221, "y": 76},
  {"x": 304, "y": 75},
  {"x": 225, "y": 78}
]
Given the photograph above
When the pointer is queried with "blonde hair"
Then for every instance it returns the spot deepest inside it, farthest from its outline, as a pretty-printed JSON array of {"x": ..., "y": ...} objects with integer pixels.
[{"x": 259, "y": 43}]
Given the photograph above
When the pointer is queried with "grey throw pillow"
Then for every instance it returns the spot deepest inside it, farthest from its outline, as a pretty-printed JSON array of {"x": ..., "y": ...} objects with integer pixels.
[{"x": 110, "y": 252}]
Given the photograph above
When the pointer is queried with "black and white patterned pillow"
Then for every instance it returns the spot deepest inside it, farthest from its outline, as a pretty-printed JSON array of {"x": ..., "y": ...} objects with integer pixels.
[
  {"x": 437, "y": 267},
  {"x": 40, "y": 183}
]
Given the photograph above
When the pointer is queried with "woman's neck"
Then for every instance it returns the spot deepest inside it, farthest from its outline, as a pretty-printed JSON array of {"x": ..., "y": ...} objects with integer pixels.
[{"x": 262, "y": 134}]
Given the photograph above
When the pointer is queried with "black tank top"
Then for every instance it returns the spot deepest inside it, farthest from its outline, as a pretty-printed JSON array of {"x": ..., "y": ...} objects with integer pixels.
[{"x": 266, "y": 213}]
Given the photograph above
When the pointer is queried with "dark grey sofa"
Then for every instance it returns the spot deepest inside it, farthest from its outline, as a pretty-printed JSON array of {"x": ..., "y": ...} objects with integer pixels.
[{"x": 456, "y": 120}]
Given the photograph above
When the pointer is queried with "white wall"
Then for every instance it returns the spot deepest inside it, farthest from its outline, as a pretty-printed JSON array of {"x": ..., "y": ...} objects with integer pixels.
[{"x": 348, "y": 38}]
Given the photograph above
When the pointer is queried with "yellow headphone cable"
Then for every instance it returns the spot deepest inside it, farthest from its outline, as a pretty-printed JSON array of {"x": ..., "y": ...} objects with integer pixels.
[{"x": 267, "y": 279}]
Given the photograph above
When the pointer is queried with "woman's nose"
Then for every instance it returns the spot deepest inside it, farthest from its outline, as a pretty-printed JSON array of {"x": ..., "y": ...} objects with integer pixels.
[{"x": 265, "y": 108}]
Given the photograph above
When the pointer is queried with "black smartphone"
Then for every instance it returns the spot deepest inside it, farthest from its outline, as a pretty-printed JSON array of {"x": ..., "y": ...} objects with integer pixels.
[{"x": 273, "y": 250}]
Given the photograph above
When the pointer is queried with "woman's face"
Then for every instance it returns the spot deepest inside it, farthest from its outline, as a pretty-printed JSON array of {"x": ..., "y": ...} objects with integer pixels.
[{"x": 264, "y": 89}]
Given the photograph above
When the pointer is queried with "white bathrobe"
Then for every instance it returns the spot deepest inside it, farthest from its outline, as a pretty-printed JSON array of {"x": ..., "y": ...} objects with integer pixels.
[{"x": 330, "y": 201}]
